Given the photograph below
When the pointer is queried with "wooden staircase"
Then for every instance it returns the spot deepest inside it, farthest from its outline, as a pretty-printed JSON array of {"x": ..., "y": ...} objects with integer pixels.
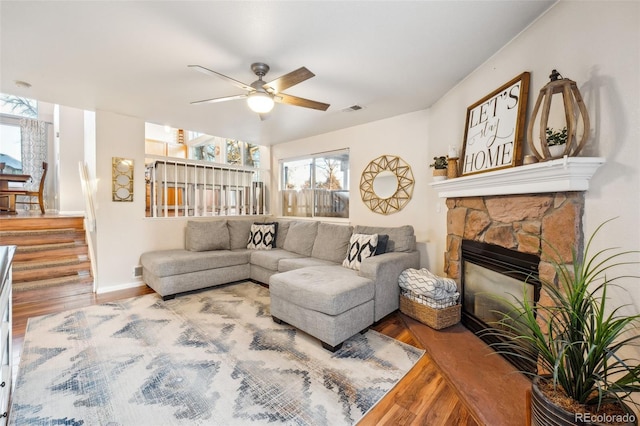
[{"x": 52, "y": 258}]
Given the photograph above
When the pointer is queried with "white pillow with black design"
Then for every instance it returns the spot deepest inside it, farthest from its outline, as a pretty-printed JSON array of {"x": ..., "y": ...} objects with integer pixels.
[
  {"x": 262, "y": 236},
  {"x": 361, "y": 246}
]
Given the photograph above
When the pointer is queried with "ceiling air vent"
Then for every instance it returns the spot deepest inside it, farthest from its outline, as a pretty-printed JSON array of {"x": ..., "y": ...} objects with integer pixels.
[{"x": 355, "y": 107}]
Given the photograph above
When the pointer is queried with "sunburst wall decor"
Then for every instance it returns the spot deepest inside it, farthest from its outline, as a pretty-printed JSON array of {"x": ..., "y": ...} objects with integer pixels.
[{"x": 396, "y": 202}]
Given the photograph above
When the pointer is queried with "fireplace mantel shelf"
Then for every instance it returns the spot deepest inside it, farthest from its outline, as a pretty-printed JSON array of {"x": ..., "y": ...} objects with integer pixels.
[{"x": 563, "y": 174}]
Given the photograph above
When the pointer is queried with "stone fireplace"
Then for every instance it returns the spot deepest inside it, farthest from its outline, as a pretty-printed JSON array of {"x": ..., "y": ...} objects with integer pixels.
[
  {"x": 509, "y": 215},
  {"x": 524, "y": 223}
]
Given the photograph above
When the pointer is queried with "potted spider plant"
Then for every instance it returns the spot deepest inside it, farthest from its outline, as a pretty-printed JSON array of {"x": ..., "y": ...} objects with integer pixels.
[
  {"x": 556, "y": 141},
  {"x": 439, "y": 167},
  {"x": 584, "y": 375}
]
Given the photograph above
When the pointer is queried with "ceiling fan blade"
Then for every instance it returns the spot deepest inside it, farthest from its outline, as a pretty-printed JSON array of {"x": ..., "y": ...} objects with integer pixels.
[
  {"x": 223, "y": 99},
  {"x": 288, "y": 80},
  {"x": 302, "y": 102},
  {"x": 222, "y": 76}
]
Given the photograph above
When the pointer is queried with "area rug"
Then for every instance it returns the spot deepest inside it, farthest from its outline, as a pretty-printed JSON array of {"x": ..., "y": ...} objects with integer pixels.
[{"x": 209, "y": 358}]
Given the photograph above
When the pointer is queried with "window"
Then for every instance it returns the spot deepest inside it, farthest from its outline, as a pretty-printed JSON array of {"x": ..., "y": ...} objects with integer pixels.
[
  {"x": 19, "y": 106},
  {"x": 316, "y": 186},
  {"x": 10, "y": 147},
  {"x": 12, "y": 108}
]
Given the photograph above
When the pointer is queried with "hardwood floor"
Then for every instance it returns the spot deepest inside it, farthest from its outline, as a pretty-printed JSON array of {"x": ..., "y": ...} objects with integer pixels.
[{"x": 423, "y": 397}]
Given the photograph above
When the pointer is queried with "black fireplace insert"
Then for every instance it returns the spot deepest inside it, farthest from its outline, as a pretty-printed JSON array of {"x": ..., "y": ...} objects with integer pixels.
[{"x": 490, "y": 274}]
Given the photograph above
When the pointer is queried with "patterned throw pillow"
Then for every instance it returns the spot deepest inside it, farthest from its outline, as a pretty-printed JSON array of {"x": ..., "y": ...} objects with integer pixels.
[
  {"x": 361, "y": 246},
  {"x": 262, "y": 236}
]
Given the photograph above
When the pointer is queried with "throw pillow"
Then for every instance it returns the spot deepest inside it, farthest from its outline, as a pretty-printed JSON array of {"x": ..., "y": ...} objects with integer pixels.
[
  {"x": 381, "y": 248},
  {"x": 262, "y": 236},
  {"x": 361, "y": 246}
]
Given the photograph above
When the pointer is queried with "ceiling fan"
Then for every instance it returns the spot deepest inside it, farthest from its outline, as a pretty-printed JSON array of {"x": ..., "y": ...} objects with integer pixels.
[{"x": 262, "y": 95}]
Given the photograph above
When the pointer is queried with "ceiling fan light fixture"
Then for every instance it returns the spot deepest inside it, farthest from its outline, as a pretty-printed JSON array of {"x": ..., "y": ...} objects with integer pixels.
[{"x": 260, "y": 102}]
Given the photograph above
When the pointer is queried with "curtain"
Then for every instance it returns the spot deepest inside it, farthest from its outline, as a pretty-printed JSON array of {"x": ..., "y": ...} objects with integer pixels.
[{"x": 34, "y": 150}]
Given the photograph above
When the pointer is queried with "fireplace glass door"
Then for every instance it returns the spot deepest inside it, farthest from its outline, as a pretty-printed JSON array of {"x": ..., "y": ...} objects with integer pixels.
[{"x": 493, "y": 277}]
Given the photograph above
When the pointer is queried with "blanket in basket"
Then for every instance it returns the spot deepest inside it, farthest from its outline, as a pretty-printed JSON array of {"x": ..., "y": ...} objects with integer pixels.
[{"x": 422, "y": 282}]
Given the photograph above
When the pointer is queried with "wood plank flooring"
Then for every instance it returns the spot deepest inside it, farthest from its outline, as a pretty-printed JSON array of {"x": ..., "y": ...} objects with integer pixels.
[{"x": 423, "y": 397}]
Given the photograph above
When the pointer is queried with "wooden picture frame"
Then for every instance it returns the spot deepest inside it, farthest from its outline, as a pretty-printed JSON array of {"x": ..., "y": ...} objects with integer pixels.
[{"x": 494, "y": 128}]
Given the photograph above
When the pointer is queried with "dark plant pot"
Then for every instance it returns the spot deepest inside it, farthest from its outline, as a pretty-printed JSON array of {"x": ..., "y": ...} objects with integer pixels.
[{"x": 544, "y": 412}]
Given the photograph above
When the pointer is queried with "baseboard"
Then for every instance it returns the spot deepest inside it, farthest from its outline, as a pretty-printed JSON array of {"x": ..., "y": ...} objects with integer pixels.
[{"x": 119, "y": 287}]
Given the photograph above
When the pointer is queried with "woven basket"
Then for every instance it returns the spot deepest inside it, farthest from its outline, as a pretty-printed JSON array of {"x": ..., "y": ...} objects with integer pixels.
[{"x": 434, "y": 318}]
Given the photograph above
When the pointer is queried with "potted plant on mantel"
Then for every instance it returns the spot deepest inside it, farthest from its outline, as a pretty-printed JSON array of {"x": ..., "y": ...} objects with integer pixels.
[
  {"x": 584, "y": 375},
  {"x": 439, "y": 168},
  {"x": 556, "y": 142}
]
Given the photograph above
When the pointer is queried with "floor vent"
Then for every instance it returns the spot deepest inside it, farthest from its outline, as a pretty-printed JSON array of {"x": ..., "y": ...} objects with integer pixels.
[{"x": 137, "y": 271}]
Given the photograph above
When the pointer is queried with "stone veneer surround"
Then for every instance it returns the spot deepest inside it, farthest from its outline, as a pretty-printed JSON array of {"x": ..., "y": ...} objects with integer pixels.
[{"x": 525, "y": 223}]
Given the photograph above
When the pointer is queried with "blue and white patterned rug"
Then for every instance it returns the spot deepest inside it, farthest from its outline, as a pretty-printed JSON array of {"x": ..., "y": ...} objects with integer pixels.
[{"x": 210, "y": 358}]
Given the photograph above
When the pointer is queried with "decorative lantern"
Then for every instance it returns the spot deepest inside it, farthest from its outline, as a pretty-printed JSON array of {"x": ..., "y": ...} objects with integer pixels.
[{"x": 574, "y": 108}]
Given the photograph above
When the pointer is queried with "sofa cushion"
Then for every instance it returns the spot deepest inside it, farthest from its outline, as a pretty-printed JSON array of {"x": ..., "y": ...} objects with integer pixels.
[
  {"x": 328, "y": 289},
  {"x": 165, "y": 263},
  {"x": 300, "y": 237},
  {"x": 401, "y": 238},
  {"x": 283, "y": 230},
  {"x": 302, "y": 262},
  {"x": 207, "y": 235},
  {"x": 361, "y": 246},
  {"x": 269, "y": 259},
  {"x": 262, "y": 236},
  {"x": 332, "y": 242},
  {"x": 239, "y": 232}
]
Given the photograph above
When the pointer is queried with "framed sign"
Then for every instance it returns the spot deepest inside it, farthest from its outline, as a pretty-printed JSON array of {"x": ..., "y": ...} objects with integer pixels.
[{"x": 495, "y": 127}]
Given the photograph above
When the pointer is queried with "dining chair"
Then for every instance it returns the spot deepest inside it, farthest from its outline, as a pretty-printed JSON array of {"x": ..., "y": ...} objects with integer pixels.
[{"x": 39, "y": 194}]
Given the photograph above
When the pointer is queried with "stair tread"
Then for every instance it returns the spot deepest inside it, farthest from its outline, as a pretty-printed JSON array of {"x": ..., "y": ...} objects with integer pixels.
[
  {"x": 47, "y": 246},
  {"x": 50, "y": 253},
  {"x": 51, "y": 282},
  {"x": 37, "y": 264},
  {"x": 38, "y": 231}
]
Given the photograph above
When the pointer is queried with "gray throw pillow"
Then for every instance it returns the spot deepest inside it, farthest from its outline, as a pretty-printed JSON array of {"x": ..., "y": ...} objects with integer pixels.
[
  {"x": 301, "y": 237},
  {"x": 207, "y": 235}
]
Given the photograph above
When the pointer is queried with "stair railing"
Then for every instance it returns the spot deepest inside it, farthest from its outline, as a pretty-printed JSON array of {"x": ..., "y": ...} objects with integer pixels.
[{"x": 89, "y": 217}]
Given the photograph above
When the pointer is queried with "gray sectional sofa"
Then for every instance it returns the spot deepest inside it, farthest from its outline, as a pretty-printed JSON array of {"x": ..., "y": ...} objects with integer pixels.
[{"x": 309, "y": 286}]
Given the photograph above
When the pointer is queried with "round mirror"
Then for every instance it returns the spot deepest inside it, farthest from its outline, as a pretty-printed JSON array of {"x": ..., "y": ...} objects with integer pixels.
[
  {"x": 385, "y": 184},
  {"x": 123, "y": 180},
  {"x": 123, "y": 193},
  {"x": 123, "y": 166}
]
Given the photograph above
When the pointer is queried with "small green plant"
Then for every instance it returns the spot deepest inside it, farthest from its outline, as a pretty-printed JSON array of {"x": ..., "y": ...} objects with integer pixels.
[
  {"x": 556, "y": 138},
  {"x": 439, "y": 162},
  {"x": 579, "y": 342}
]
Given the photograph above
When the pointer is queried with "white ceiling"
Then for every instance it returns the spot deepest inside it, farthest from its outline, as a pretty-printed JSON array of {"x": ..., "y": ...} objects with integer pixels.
[{"x": 390, "y": 57}]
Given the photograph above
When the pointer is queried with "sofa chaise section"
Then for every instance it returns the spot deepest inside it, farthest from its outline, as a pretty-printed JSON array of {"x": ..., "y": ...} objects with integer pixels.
[{"x": 170, "y": 272}]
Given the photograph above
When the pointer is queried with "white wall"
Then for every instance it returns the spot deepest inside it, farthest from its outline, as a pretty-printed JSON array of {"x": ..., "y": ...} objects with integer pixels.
[{"x": 123, "y": 233}]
